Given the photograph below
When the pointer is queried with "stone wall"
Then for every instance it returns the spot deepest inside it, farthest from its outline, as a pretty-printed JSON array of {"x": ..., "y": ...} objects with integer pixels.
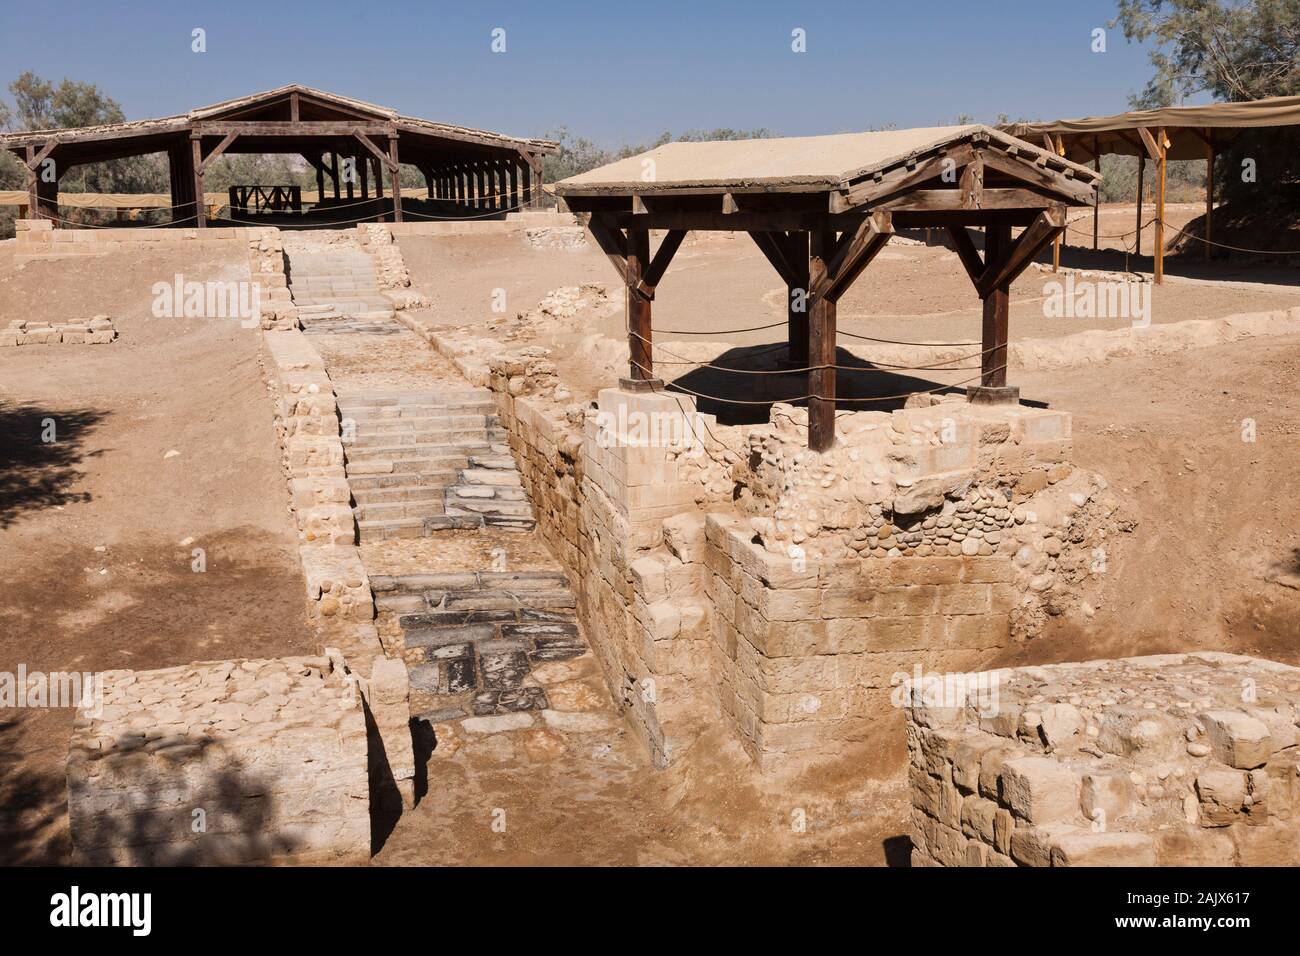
[
  {"x": 1169, "y": 760},
  {"x": 340, "y": 602},
  {"x": 232, "y": 762},
  {"x": 745, "y": 579},
  {"x": 96, "y": 331},
  {"x": 806, "y": 653},
  {"x": 38, "y": 239}
]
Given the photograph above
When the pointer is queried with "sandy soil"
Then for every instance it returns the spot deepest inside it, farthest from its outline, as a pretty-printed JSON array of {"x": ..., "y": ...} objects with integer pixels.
[
  {"x": 92, "y": 526},
  {"x": 1217, "y": 520}
]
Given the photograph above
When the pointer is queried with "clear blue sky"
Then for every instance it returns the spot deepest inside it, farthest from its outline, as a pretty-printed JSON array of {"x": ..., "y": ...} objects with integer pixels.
[{"x": 613, "y": 71}]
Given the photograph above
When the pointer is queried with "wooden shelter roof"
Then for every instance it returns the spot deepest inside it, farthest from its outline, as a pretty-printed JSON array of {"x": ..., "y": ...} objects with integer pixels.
[
  {"x": 794, "y": 164},
  {"x": 1188, "y": 128},
  {"x": 317, "y": 106}
]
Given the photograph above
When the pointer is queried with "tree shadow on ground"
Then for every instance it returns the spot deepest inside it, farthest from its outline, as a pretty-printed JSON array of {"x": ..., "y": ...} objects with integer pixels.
[
  {"x": 742, "y": 398},
  {"x": 40, "y": 449},
  {"x": 31, "y": 803}
]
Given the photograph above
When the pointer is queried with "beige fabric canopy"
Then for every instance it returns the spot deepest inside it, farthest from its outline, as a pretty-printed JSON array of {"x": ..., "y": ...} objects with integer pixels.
[{"x": 1189, "y": 128}]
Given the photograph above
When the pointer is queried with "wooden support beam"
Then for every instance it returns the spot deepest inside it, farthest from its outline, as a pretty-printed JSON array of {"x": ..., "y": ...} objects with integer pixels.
[
  {"x": 774, "y": 248},
  {"x": 369, "y": 144},
  {"x": 1014, "y": 258},
  {"x": 217, "y": 150},
  {"x": 964, "y": 246},
  {"x": 334, "y": 173},
  {"x": 641, "y": 362},
  {"x": 668, "y": 247},
  {"x": 1209, "y": 188},
  {"x": 1162, "y": 144},
  {"x": 1096, "y": 203},
  {"x": 33, "y": 195},
  {"x": 936, "y": 200},
  {"x": 821, "y": 345},
  {"x": 848, "y": 257},
  {"x": 612, "y": 242},
  {"x": 293, "y": 108},
  {"x": 395, "y": 170},
  {"x": 34, "y": 160},
  {"x": 1137, "y": 244},
  {"x": 995, "y": 324},
  {"x": 1056, "y": 243},
  {"x": 796, "y": 298},
  {"x": 200, "y": 212}
]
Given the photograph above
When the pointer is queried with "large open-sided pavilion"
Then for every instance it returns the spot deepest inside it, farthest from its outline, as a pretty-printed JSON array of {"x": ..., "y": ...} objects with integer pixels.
[
  {"x": 351, "y": 144},
  {"x": 820, "y": 208}
]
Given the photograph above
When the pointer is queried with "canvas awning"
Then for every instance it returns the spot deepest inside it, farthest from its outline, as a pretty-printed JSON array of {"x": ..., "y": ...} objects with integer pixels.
[{"x": 1189, "y": 128}]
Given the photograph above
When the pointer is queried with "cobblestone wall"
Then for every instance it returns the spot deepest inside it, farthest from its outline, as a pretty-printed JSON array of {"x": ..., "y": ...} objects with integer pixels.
[
  {"x": 1169, "y": 760},
  {"x": 230, "y": 762}
]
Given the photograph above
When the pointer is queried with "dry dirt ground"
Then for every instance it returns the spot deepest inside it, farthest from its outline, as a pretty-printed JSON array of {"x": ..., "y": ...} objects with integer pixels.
[
  {"x": 1217, "y": 520},
  {"x": 92, "y": 525}
]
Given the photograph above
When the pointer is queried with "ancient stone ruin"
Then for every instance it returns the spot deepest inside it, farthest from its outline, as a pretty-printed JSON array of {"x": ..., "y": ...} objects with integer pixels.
[{"x": 1169, "y": 760}]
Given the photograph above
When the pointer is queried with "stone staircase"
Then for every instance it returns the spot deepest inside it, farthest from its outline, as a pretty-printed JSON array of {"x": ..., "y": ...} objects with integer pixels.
[
  {"x": 335, "y": 289},
  {"x": 423, "y": 462},
  {"x": 472, "y": 639}
]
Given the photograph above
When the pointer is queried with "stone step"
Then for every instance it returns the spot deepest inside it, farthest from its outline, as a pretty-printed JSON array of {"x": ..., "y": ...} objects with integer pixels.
[
  {"x": 490, "y": 476},
  {"x": 456, "y": 442},
  {"x": 403, "y": 467},
  {"x": 435, "y": 398},
  {"x": 464, "y": 493},
  {"x": 389, "y": 511},
  {"x": 379, "y": 495},
  {"x": 468, "y": 581},
  {"x": 494, "y": 462},
  {"x": 371, "y": 531},
  {"x": 367, "y": 484},
  {"x": 493, "y": 506},
  {"x": 366, "y": 425}
]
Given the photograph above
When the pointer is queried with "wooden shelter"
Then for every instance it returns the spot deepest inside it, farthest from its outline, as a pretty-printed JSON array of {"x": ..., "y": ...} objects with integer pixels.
[
  {"x": 820, "y": 208},
  {"x": 1159, "y": 135},
  {"x": 467, "y": 171}
]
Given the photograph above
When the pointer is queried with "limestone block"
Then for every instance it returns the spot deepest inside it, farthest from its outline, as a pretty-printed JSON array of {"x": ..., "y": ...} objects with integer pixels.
[
  {"x": 1237, "y": 739},
  {"x": 1040, "y": 790},
  {"x": 1103, "y": 849}
]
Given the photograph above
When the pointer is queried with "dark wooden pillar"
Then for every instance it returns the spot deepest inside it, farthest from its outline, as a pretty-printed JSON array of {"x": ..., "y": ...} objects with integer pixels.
[
  {"x": 1096, "y": 202},
  {"x": 993, "y": 363},
  {"x": 348, "y": 185},
  {"x": 334, "y": 172},
  {"x": 396, "y": 173},
  {"x": 364, "y": 173},
  {"x": 796, "y": 301},
  {"x": 638, "y": 306},
  {"x": 200, "y": 211},
  {"x": 33, "y": 185},
  {"x": 526, "y": 175},
  {"x": 1142, "y": 166},
  {"x": 821, "y": 346}
]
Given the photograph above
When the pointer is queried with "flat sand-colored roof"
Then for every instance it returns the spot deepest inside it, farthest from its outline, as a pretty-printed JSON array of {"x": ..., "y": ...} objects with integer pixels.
[{"x": 796, "y": 163}]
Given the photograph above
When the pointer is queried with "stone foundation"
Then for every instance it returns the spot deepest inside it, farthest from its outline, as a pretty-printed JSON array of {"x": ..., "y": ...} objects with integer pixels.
[
  {"x": 96, "y": 331},
  {"x": 233, "y": 762},
  {"x": 38, "y": 239},
  {"x": 1169, "y": 760}
]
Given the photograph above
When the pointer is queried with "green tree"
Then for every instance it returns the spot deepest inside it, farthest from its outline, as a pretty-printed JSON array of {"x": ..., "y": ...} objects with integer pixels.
[{"x": 1234, "y": 50}]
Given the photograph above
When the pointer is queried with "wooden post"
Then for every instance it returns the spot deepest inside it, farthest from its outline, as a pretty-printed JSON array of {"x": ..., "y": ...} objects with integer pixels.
[
  {"x": 1096, "y": 203},
  {"x": 821, "y": 346},
  {"x": 1142, "y": 166},
  {"x": 993, "y": 364},
  {"x": 348, "y": 185},
  {"x": 365, "y": 178},
  {"x": 535, "y": 184},
  {"x": 638, "y": 307},
  {"x": 1056, "y": 245},
  {"x": 33, "y": 197},
  {"x": 320, "y": 177},
  {"x": 1209, "y": 187},
  {"x": 797, "y": 295},
  {"x": 200, "y": 212},
  {"x": 334, "y": 172},
  {"x": 1163, "y": 150},
  {"x": 396, "y": 173}
]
